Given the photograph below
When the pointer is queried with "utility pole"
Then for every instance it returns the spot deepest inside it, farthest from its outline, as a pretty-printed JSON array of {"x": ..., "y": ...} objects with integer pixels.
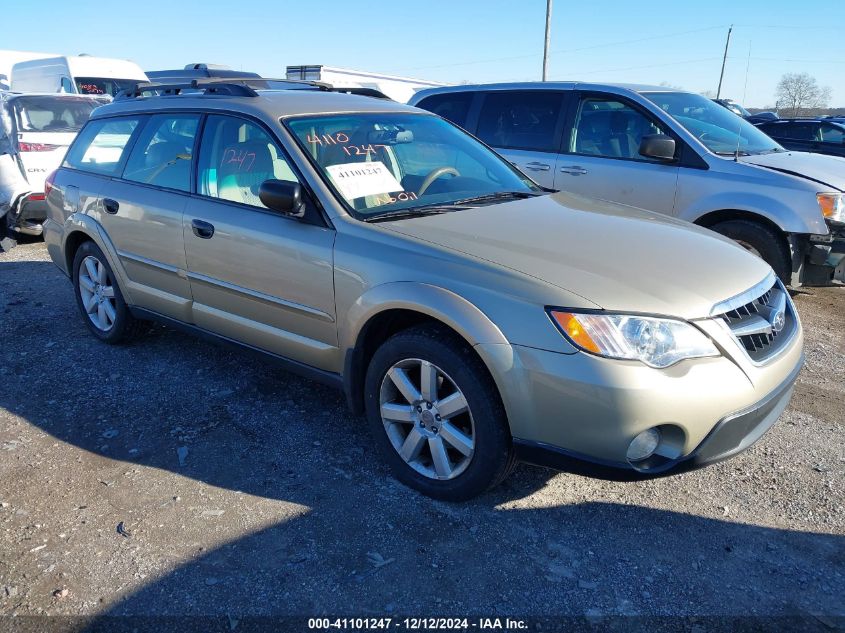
[
  {"x": 724, "y": 59},
  {"x": 548, "y": 35}
]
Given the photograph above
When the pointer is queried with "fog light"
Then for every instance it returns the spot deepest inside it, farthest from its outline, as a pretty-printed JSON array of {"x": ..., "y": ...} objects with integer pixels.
[{"x": 643, "y": 445}]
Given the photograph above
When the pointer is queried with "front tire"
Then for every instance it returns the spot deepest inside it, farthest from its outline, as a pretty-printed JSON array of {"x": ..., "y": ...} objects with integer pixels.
[
  {"x": 436, "y": 415},
  {"x": 761, "y": 240},
  {"x": 99, "y": 299}
]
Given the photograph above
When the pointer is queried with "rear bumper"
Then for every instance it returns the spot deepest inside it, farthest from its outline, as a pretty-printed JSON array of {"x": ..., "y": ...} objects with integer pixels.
[
  {"x": 731, "y": 435},
  {"x": 28, "y": 215}
]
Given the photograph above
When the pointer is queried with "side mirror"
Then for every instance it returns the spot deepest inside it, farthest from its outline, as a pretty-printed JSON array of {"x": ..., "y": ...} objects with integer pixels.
[
  {"x": 283, "y": 196},
  {"x": 658, "y": 146}
]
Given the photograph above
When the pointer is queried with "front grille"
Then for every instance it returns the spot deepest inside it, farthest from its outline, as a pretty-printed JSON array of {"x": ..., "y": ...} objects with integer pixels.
[{"x": 764, "y": 324}]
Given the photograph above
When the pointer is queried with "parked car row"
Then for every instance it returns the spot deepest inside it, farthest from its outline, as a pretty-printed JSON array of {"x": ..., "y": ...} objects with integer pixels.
[
  {"x": 473, "y": 315},
  {"x": 669, "y": 151}
]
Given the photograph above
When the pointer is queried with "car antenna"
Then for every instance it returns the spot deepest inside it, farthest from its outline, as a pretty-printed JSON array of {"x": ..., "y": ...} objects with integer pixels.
[{"x": 744, "y": 92}]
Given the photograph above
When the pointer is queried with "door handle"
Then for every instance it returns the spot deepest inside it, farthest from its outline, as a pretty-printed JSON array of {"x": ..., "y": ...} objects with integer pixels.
[
  {"x": 202, "y": 229},
  {"x": 111, "y": 206},
  {"x": 575, "y": 170},
  {"x": 535, "y": 166}
]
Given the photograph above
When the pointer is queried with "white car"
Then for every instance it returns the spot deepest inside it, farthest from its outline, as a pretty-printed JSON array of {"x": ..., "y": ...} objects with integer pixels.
[{"x": 35, "y": 131}]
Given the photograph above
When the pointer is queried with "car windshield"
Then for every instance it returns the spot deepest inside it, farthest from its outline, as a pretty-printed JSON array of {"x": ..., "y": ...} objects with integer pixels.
[
  {"x": 104, "y": 85},
  {"x": 404, "y": 163},
  {"x": 52, "y": 114},
  {"x": 721, "y": 131}
]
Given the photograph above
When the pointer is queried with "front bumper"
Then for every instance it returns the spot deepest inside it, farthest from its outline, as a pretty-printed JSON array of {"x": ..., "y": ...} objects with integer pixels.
[
  {"x": 731, "y": 435},
  {"x": 581, "y": 412}
]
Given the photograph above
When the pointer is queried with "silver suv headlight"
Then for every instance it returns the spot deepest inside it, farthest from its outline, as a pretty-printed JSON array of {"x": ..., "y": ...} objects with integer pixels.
[
  {"x": 657, "y": 342},
  {"x": 832, "y": 206}
]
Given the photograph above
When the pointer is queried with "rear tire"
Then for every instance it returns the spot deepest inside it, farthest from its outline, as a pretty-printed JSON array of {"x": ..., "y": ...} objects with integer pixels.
[
  {"x": 99, "y": 299},
  {"x": 761, "y": 240},
  {"x": 480, "y": 428}
]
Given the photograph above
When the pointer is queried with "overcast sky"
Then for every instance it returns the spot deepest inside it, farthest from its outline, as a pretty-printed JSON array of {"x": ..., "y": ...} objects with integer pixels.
[{"x": 680, "y": 43}]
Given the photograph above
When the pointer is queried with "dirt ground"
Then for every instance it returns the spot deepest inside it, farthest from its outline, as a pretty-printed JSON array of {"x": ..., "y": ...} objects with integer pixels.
[{"x": 174, "y": 477}]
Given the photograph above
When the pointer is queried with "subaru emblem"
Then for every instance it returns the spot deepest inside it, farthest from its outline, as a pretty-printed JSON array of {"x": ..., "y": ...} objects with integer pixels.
[{"x": 778, "y": 321}]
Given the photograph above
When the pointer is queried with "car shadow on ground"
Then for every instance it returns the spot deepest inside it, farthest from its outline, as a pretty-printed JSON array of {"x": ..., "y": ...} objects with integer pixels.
[{"x": 347, "y": 539}]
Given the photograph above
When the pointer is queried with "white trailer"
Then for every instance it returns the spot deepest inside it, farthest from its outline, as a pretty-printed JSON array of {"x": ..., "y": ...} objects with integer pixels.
[
  {"x": 397, "y": 88},
  {"x": 10, "y": 58}
]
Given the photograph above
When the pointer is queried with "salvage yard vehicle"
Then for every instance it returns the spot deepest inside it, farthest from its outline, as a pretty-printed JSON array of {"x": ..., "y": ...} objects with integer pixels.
[
  {"x": 35, "y": 132},
  {"x": 76, "y": 74},
  {"x": 821, "y": 136},
  {"x": 669, "y": 151},
  {"x": 474, "y": 317}
]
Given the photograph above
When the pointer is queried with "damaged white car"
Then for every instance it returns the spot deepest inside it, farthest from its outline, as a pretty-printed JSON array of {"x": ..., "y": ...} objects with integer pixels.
[{"x": 35, "y": 131}]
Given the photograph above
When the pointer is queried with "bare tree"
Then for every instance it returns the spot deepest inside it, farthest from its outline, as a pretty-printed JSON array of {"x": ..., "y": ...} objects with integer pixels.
[{"x": 800, "y": 91}]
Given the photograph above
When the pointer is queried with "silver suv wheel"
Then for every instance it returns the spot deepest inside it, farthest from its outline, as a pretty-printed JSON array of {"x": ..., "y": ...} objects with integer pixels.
[
  {"x": 427, "y": 419},
  {"x": 97, "y": 293}
]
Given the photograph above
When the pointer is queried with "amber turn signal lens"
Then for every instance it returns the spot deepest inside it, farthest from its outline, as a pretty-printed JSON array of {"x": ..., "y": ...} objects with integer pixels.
[
  {"x": 827, "y": 204},
  {"x": 575, "y": 331}
]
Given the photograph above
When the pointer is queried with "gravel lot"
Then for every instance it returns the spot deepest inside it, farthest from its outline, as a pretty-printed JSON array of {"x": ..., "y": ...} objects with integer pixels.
[{"x": 246, "y": 491}]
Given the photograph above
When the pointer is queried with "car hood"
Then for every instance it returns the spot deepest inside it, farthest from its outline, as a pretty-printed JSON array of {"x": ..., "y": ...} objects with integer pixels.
[
  {"x": 825, "y": 170},
  {"x": 616, "y": 257}
]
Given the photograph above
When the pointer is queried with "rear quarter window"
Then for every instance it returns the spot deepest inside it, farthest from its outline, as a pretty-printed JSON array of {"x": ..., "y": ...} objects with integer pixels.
[{"x": 100, "y": 146}]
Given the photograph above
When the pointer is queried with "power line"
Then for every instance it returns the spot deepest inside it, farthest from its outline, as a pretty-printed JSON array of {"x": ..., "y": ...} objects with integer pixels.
[
  {"x": 802, "y": 61},
  {"x": 568, "y": 50},
  {"x": 678, "y": 63}
]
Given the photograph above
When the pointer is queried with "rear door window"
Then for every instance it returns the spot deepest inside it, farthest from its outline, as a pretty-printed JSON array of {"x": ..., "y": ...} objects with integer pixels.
[
  {"x": 164, "y": 152},
  {"x": 452, "y": 106},
  {"x": 525, "y": 120},
  {"x": 100, "y": 146}
]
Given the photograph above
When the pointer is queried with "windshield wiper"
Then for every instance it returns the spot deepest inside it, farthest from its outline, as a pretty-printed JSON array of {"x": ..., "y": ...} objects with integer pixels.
[
  {"x": 740, "y": 152},
  {"x": 499, "y": 195},
  {"x": 436, "y": 208},
  {"x": 401, "y": 214}
]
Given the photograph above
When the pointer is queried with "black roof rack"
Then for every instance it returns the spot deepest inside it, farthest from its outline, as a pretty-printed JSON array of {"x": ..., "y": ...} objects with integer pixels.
[
  {"x": 230, "y": 86},
  {"x": 362, "y": 92},
  {"x": 236, "y": 87}
]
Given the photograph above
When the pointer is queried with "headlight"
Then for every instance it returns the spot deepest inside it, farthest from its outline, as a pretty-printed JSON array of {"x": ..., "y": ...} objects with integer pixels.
[
  {"x": 832, "y": 206},
  {"x": 654, "y": 341}
]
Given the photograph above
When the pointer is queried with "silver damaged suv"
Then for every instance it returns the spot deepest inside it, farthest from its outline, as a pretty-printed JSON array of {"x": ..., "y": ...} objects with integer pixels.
[{"x": 474, "y": 317}]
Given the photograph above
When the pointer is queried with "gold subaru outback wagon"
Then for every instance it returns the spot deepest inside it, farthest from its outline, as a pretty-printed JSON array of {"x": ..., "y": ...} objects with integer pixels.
[{"x": 474, "y": 317}]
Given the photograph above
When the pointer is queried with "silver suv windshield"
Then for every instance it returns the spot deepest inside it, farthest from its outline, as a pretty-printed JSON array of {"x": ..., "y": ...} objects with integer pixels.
[
  {"x": 721, "y": 131},
  {"x": 396, "y": 164}
]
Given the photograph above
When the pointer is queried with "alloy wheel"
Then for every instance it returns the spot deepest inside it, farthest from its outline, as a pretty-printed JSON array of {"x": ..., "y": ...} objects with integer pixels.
[
  {"x": 427, "y": 419},
  {"x": 96, "y": 289}
]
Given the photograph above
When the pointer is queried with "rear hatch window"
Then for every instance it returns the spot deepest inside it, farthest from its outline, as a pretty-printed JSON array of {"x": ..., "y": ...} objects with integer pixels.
[{"x": 52, "y": 114}]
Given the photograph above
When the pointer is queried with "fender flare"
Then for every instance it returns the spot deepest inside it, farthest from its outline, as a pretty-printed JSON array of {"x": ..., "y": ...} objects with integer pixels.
[
  {"x": 445, "y": 306},
  {"x": 93, "y": 230},
  {"x": 434, "y": 301}
]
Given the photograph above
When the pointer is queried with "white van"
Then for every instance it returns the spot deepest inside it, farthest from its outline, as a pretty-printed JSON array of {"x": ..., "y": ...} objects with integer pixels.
[
  {"x": 9, "y": 58},
  {"x": 80, "y": 74}
]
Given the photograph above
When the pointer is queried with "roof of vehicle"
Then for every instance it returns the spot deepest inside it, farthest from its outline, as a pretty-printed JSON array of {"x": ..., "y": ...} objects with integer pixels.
[
  {"x": 549, "y": 85},
  {"x": 197, "y": 73},
  {"x": 10, "y": 95},
  {"x": 798, "y": 120},
  {"x": 86, "y": 65},
  {"x": 273, "y": 104}
]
